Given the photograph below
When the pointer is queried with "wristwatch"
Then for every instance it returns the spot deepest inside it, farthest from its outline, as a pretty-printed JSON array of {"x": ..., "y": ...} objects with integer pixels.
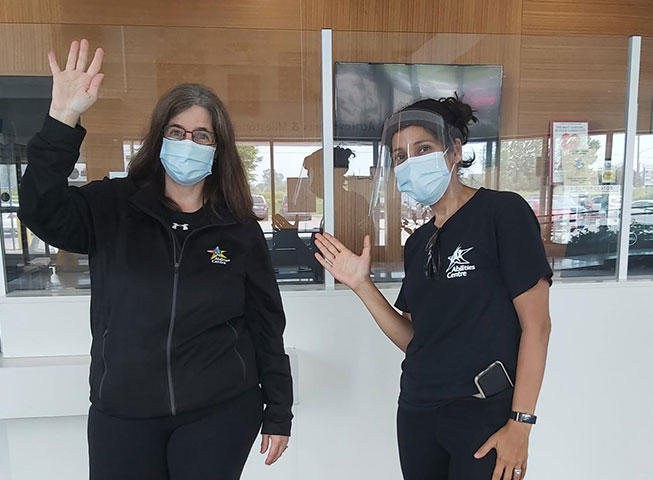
[{"x": 523, "y": 417}]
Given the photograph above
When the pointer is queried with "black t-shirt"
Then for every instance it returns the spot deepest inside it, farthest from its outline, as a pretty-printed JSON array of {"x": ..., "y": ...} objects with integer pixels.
[
  {"x": 464, "y": 319},
  {"x": 182, "y": 223}
]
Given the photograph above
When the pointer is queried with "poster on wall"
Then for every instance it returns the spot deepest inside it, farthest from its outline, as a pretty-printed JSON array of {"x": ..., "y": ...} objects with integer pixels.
[{"x": 571, "y": 157}]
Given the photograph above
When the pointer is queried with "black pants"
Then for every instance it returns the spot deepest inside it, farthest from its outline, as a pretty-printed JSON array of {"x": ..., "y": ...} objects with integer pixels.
[
  {"x": 211, "y": 444},
  {"x": 439, "y": 444}
]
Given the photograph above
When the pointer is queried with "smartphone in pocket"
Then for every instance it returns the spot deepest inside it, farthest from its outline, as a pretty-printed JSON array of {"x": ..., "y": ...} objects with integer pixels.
[{"x": 494, "y": 379}]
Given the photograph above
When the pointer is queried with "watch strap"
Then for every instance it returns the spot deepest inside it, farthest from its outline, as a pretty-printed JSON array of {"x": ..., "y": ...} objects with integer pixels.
[{"x": 523, "y": 417}]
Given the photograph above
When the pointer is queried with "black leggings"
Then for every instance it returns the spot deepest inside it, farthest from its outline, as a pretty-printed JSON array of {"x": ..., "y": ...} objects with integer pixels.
[
  {"x": 440, "y": 444},
  {"x": 211, "y": 444}
]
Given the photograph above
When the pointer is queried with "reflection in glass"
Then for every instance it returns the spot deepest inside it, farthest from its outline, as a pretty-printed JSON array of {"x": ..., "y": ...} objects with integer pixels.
[{"x": 640, "y": 254}]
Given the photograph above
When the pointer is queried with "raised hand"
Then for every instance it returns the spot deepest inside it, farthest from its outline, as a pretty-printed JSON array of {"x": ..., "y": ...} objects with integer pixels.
[
  {"x": 279, "y": 222},
  {"x": 346, "y": 267},
  {"x": 75, "y": 88}
]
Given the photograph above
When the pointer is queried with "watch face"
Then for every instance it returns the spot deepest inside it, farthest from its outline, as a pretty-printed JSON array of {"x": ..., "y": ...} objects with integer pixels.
[
  {"x": 527, "y": 418},
  {"x": 524, "y": 417}
]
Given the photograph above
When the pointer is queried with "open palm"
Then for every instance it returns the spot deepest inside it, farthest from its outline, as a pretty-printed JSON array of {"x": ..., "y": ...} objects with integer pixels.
[
  {"x": 342, "y": 263},
  {"x": 75, "y": 88}
]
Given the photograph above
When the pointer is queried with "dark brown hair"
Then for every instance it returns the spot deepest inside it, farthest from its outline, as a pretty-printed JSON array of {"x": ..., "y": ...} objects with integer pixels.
[
  {"x": 455, "y": 112},
  {"x": 227, "y": 186}
]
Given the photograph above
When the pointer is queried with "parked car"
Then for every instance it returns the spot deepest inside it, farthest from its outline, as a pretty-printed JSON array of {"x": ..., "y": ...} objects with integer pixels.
[
  {"x": 642, "y": 212},
  {"x": 290, "y": 216},
  {"x": 260, "y": 207}
]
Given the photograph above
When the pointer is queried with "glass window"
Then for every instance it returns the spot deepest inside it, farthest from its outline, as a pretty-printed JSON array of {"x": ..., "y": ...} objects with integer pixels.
[
  {"x": 640, "y": 254},
  {"x": 640, "y": 242},
  {"x": 575, "y": 196},
  {"x": 269, "y": 81},
  {"x": 293, "y": 178}
]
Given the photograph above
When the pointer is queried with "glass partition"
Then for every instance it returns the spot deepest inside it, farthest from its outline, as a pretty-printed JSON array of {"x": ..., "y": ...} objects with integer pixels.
[
  {"x": 550, "y": 132},
  {"x": 270, "y": 81},
  {"x": 552, "y": 110},
  {"x": 640, "y": 256}
]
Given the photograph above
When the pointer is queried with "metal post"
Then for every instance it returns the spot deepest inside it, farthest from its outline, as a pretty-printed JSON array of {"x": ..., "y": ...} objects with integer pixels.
[
  {"x": 632, "y": 95},
  {"x": 273, "y": 189},
  {"x": 327, "y": 139}
]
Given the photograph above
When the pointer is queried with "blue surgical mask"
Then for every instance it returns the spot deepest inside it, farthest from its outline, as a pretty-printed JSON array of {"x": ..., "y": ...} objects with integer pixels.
[
  {"x": 424, "y": 178},
  {"x": 185, "y": 161}
]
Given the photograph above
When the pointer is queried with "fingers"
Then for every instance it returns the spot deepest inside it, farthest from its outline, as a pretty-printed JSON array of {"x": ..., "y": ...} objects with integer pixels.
[
  {"x": 331, "y": 243},
  {"x": 275, "y": 453},
  {"x": 83, "y": 55},
  {"x": 54, "y": 66},
  {"x": 508, "y": 472},
  {"x": 518, "y": 473},
  {"x": 72, "y": 55},
  {"x": 485, "y": 449},
  {"x": 279, "y": 445},
  {"x": 498, "y": 471},
  {"x": 95, "y": 85},
  {"x": 335, "y": 242},
  {"x": 324, "y": 263},
  {"x": 272, "y": 455},
  {"x": 265, "y": 443},
  {"x": 96, "y": 63},
  {"x": 367, "y": 247},
  {"x": 326, "y": 248}
]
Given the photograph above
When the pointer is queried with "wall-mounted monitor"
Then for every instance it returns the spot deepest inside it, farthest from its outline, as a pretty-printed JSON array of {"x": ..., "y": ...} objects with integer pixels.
[{"x": 366, "y": 93}]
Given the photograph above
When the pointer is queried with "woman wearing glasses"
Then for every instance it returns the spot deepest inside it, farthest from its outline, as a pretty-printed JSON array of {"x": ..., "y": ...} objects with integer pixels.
[
  {"x": 474, "y": 299},
  {"x": 187, "y": 359}
]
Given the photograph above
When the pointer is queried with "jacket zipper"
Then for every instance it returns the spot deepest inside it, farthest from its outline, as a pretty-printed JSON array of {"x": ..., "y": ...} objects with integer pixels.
[
  {"x": 104, "y": 361},
  {"x": 171, "y": 326},
  {"x": 242, "y": 362},
  {"x": 173, "y": 312}
]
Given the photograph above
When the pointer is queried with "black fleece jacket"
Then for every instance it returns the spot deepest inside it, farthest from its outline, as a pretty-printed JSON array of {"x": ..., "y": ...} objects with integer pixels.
[{"x": 175, "y": 328}]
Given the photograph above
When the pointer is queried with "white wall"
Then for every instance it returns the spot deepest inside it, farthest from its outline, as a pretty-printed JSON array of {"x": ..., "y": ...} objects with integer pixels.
[{"x": 594, "y": 410}]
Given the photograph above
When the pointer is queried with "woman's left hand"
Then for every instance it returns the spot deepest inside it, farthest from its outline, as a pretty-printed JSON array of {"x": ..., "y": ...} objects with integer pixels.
[
  {"x": 511, "y": 444},
  {"x": 276, "y": 444}
]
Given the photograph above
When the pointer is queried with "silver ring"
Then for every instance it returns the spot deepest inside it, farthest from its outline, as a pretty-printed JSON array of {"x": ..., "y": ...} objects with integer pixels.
[{"x": 517, "y": 472}]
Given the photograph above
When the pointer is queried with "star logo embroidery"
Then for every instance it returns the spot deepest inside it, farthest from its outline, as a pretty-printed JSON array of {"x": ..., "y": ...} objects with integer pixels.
[
  {"x": 457, "y": 257},
  {"x": 218, "y": 256}
]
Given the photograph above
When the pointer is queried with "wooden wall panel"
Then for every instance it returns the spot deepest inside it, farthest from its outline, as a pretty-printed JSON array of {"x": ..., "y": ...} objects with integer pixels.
[
  {"x": 645, "y": 107},
  {"x": 268, "y": 14},
  {"x": 30, "y": 11},
  {"x": 572, "y": 79},
  {"x": 587, "y": 17},
  {"x": 532, "y": 17},
  {"x": 470, "y": 16}
]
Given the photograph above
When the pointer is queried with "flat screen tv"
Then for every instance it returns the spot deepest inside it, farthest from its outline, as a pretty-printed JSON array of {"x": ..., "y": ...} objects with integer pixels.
[{"x": 366, "y": 93}]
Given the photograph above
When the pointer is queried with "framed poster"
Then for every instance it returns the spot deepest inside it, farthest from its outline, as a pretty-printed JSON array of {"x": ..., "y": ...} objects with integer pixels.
[{"x": 571, "y": 160}]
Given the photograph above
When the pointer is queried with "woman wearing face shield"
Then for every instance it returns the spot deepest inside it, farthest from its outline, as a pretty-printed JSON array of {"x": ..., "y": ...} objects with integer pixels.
[
  {"x": 474, "y": 302},
  {"x": 187, "y": 357}
]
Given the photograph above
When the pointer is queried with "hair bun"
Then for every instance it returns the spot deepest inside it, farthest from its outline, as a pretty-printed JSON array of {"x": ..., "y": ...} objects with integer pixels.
[
  {"x": 461, "y": 113},
  {"x": 452, "y": 109}
]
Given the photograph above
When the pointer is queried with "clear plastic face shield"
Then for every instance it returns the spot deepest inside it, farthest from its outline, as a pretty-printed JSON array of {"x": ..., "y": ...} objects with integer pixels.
[
  {"x": 311, "y": 178},
  {"x": 415, "y": 145}
]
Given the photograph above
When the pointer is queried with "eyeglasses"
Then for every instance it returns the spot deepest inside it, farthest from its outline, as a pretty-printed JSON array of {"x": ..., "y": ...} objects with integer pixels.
[
  {"x": 432, "y": 265},
  {"x": 202, "y": 137}
]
